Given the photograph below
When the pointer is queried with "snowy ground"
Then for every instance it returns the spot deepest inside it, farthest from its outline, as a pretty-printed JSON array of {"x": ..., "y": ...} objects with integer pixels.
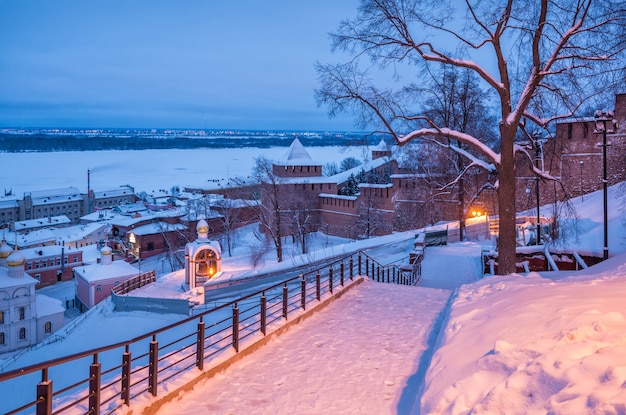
[{"x": 550, "y": 342}]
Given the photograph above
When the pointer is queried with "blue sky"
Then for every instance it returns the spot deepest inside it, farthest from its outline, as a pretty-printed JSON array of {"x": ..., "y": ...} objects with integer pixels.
[{"x": 242, "y": 64}]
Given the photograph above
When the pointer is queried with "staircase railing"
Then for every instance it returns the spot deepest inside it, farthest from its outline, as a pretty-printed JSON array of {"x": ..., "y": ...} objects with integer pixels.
[{"x": 105, "y": 379}]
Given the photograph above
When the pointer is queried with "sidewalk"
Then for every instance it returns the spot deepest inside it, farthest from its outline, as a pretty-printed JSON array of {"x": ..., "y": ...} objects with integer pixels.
[{"x": 363, "y": 354}]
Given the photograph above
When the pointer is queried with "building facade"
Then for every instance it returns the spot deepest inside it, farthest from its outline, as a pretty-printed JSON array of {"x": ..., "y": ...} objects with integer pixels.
[{"x": 26, "y": 318}]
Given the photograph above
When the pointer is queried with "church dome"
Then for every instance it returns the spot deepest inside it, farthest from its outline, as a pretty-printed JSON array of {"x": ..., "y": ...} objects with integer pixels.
[
  {"x": 5, "y": 250},
  {"x": 106, "y": 250},
  {"x": 202, "y": 227},
  {"x": 16, "y": 259}
]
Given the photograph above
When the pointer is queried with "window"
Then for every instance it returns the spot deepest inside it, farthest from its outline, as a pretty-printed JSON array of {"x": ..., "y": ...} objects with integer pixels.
[
  {"x": 75, "y": 259},
  {"x": 1, "y": 317},
  {"x": 150, "y": 246},
  {"x": 22, "y": 334},
  {"x": 47, "y": 327},
  {"x": 98, "y": 287},
  {"x": 1, "y": 338},
  {"x": 22, "y": 313},
  {"x": 38, "y": 277}
]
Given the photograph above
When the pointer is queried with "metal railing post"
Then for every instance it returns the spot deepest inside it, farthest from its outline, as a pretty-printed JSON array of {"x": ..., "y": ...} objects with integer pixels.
[
  {"x": 236, "y": 327},
  {"x": 285, "y": 300},
  {"x": 200, "y": 345},
  {"x": 125, "y": 392},
  {"x": 367, "y": 266},
  {"x": 263, "y": 314},
  {"x": 352, "y": 268},
  {"x": 341, "y": 273},
  {"x": 44, "y": 394},
  {"x": 318, "y": 286},
  {"x": 153, "y": 369},
  {"x": 359, "y": 264},
  {"x": 95, "y": 384},
  {"x": 303, "y": 293},
  {"x": 330, "y": 279}
]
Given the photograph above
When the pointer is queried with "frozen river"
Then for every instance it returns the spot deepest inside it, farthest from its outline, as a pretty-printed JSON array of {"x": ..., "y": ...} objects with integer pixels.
[{"x": 144, "y": 170}]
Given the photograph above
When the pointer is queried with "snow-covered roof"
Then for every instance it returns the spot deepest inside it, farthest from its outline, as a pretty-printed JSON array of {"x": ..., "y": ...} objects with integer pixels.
[
  {"x": 578, "y": 119},
  {"x": 381, "y": 146},
  {"x": 78, "y": 232},
  {"x": 53, "y": 235},
  {"x": 410, "y": 175},
  {"x": 296, "y": 155},
  {"x": 8, "y": 202},
  {"x": 48, "y": 306},
  {"x": 40, "y": 222},
  {"x": 6, "y": 281},
  {"x": 153, "y": 228},
  {"x": 339, "y": 177},
  {"x": 102, "y": 272},
  {"x": 368, "y": 166},
  {"x": 131, "y": 208},
  {"x": 113, "y": 192},
  {"x": 126, "y": 221},
  {"x": 52, "y": 196},
  {"x": 46, "y": 251},
  {"x": 376, "y": 185},
  {"x": 334, "y": 196}
]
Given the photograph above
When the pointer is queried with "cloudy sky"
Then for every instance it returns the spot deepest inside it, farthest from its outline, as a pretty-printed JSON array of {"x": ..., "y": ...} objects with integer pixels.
[{"x": 244, "y": 64}]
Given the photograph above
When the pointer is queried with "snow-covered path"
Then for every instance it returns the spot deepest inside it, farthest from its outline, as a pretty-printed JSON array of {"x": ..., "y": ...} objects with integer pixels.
[
  {"x": 448, "y": 267},
  {"x": 374, "y": 367}
]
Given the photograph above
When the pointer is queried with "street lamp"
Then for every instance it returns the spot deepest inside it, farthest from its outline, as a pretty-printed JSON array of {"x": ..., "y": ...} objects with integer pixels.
[
  {"x": 582, "y": 195},
  {"x": 601, "y": 128}
]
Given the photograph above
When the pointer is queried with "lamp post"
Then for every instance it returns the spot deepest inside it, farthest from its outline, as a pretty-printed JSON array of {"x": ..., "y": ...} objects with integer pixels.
[
  {"x": 582, "y": 195},
  {"x": 601, "y": 128}
]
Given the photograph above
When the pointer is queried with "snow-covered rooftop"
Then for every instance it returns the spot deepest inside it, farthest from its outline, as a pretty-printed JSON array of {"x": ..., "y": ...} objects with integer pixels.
[
  {"x": 6, "y": 281},
  {"x": 47, "y": 306},
  {"x": 115, "y": 191},
  {"x": 52, "y": 196},
  {"x": 297, "y": 155},
  {"x": 103, "y": 272},
  {"x": 25, "y": 225},
  {"x": 154, "y": 228}
]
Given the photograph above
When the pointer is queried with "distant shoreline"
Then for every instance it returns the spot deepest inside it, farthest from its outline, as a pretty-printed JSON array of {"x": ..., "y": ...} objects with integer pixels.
[{"x": 58, "y": 140}]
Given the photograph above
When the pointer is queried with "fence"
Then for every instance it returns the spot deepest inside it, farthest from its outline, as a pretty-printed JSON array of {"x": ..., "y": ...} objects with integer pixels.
[
  {"x": 106, "y": 379},
  {"x": 134, "y": 283}
]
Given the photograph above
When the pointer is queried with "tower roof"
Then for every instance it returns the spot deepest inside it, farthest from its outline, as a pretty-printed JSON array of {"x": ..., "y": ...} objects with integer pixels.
[
  {"x": 382, "y": 146},
  {"x": 5, "y": 250},
  {"x": 296, "y": 155},
  {"x": 16, "y": 259}
]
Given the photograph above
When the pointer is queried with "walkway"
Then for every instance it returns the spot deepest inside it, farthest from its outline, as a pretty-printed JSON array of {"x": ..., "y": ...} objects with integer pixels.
[{"x": 365, "y": 353}]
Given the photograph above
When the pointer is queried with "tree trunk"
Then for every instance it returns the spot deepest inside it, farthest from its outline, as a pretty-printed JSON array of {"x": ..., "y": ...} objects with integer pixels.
[{"x": 506, "y": 204}]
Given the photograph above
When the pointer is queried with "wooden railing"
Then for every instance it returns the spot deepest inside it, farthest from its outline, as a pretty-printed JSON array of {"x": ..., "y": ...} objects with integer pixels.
[{"x": 134, "y": 283}]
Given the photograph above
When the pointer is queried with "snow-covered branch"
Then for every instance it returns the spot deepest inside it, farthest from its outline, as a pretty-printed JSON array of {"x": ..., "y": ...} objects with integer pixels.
[{"x": 492, "y": 156}]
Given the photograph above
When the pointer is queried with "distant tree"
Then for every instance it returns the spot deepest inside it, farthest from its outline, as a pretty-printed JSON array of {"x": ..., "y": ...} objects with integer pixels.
[
  {"x": 349, "y": 163},
  {"x": 351, "y": 188},
  {"x": 549, "y": 58},
  {"x": 330, "y": 169}
]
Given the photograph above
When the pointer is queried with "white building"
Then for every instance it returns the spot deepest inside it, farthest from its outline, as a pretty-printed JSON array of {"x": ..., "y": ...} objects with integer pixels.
[
  {"x": 203, "y": 258},
  {"x": 26, "y": 318}
]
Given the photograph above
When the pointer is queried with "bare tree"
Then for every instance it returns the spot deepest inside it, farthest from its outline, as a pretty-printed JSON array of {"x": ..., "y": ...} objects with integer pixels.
[
  {"x": 272, "y": 205},
  {"x": 549, "y": 58},
  {"x": 455, "y": 100}
]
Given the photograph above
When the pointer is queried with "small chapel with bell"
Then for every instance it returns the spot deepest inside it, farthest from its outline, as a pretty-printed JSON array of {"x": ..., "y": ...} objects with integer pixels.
[{"x": 203, "y": 258}]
